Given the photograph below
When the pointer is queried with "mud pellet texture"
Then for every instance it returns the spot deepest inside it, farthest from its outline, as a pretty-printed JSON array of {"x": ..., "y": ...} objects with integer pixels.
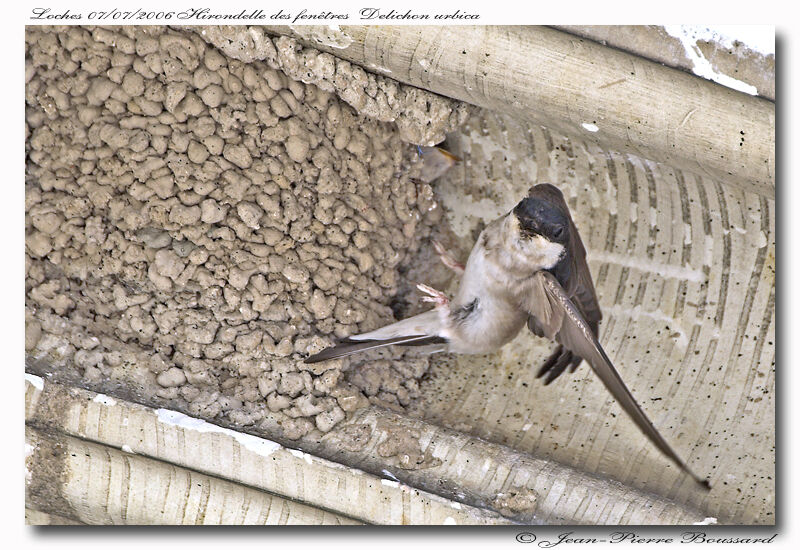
[
  {"x": 422, "y": 117},
  {"x": 197, "y": 224}
]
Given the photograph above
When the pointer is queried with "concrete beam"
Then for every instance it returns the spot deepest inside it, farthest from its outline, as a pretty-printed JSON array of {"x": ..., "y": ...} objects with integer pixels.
[{"x": 621, "y": 101}]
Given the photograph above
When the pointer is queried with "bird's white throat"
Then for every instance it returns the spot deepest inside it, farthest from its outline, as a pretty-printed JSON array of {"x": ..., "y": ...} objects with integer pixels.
[
  {"x": 542, "y": 252},
  {"x": 533, "y": 251}
]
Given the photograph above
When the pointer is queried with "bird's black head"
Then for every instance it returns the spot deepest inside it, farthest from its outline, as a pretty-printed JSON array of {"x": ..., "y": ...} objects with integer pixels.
[{"x": 540, "y": 217}]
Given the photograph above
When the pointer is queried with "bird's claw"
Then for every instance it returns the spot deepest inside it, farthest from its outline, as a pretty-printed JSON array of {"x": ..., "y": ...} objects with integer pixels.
[
  {"x": 434, "y": 296},
  {"x": 447, "y": 259}
]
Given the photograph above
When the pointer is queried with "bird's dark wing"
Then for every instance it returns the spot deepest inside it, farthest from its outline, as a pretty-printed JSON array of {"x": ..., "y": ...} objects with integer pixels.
[
  {"x": 557, "y": 317},
  {"x": 576, "y": 280}
]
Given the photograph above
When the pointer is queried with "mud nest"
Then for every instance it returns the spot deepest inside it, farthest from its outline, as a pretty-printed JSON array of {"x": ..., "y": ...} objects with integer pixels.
[{"x": 197, "y": 224}]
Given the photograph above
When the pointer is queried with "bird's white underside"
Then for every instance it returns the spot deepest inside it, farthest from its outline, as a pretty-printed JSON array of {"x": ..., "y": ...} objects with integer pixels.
[{"x": 498, "y": 319}]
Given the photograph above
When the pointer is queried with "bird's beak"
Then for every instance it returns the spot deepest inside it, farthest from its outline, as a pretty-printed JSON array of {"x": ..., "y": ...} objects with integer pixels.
[{"x": 526, "y": 224}]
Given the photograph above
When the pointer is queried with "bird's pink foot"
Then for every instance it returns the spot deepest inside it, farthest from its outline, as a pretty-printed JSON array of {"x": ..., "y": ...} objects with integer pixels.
[
  {"x": 438, "y": 298},
  {"x": 447, "y": 259}
]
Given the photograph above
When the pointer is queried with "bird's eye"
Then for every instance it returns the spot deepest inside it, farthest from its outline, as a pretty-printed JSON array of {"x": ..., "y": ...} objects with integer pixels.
[{"x": 558, "y": 232}]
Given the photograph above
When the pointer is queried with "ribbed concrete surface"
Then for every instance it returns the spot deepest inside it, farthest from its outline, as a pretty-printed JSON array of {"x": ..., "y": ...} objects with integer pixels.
[
  {"x": 684, "y": 267},
  {"x": 106, "y": 486},
  {"x": 101, "y": 460}
]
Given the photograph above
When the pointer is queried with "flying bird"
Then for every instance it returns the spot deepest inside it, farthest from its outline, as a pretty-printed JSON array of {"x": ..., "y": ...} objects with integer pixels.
[{"x": 528, "y": 267}]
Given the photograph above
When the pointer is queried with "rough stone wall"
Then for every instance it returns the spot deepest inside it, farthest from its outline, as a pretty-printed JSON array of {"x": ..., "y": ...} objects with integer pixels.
[{"x": 196, "y": 224}]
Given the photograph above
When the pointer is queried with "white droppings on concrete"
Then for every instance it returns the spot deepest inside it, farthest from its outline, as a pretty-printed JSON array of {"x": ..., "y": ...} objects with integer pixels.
[
  {"x": 687, "y": 234},
  {"x": 331, "y": 35},
  {"x": 708, "y": 250},
  {"x": 300, "y": 454},
  {"x": 706, "y": 521},
  {"x": 127, "y": 449},
  {"x": 634, "y": 212},
  {"x": 456, "y": 505},
  {"x": 738, "y": 229},
  {"x": 762, "y": 240},
  {"x": 374, "y": 67},
  {"x": 611, "y": 194},
  {"x": 758, "y": 38},
  {"x": 258, "y": 445},
  {"x": 37, "y": 381},
  {"x": 390, "y": 483},
  {"x": 527, "y": 427},
  {"x": 104, "y": 400},
  {"x": 589, "y": 127},
  {"x": 449, "y": 521},
  {"x": 689, "y": 35}
]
